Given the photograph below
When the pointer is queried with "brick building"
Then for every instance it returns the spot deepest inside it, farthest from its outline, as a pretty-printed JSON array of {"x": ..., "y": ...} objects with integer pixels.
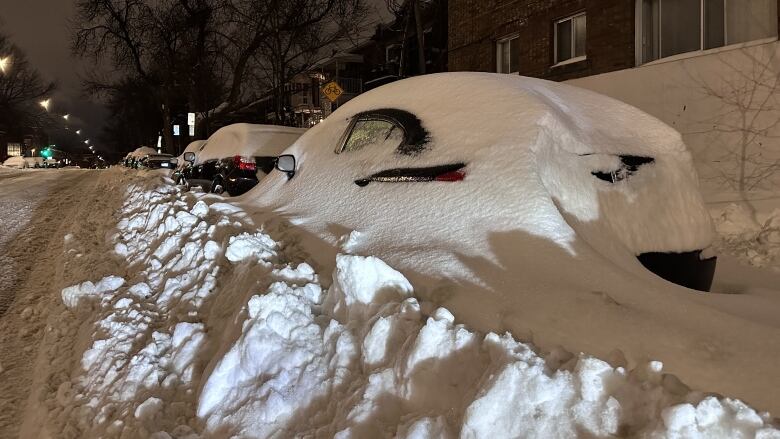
[
  {"x": 708, "y": 68},
  {"x": 565, "y": 39}
]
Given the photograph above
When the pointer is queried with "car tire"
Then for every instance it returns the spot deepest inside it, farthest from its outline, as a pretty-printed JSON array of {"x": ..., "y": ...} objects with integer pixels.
[
  {"x": 217, "y": 187},
  {"x": 184, "y": 183}
]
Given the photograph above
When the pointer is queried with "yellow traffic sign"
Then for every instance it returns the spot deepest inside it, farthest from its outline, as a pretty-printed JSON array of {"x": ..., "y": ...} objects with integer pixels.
[{"x": 332, "y": 91}]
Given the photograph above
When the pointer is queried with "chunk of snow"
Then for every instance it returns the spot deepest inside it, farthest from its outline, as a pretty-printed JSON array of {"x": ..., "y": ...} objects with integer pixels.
[{"x": 257, "y": 246}]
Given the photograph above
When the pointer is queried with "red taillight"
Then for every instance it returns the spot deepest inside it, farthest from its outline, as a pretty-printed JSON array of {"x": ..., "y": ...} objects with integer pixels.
[
  {"x": 451, "y": 176},
  {"x": 245, "y": 163}
]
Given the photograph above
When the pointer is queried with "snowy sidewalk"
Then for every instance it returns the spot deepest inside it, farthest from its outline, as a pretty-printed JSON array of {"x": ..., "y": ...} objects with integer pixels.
[{"x": 179, "y": 317}]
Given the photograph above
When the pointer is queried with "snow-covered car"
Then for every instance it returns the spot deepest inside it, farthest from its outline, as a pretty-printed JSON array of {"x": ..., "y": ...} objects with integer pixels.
[
  {"x": 158, "y": 161},
  {"x": 236, "y": 157},
  {"x": 35, "y": 162},
  {"x": 194, "y": 147},
  {"x": 424, "y": 172},
  {"x": 16, "y": 162},
  {"x": 133, "y": 158}
]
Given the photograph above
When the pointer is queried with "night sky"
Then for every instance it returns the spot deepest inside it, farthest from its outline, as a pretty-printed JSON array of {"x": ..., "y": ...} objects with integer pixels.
[{"x": 41, "y": 29}]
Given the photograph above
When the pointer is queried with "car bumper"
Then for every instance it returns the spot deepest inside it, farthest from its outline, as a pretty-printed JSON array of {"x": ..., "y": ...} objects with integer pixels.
[
  {"x": 688, "y": 269},
  {"x": 238, "y": 186}
]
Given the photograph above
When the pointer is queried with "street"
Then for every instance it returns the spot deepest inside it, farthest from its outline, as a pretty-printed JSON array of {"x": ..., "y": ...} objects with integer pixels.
[{"x": 39, "y": 208}]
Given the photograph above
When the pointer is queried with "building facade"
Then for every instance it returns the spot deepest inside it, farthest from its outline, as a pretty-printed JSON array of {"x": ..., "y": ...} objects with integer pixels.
[
  {"x": 566, "y": 39},
  {"x": 709, "y": 68}
]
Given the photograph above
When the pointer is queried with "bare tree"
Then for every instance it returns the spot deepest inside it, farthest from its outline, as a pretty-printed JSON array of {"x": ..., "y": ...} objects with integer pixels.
[
  {"x": 21, "y": 90},
  {"x": 302, "y": 32},
  {"x": 747, "y": 121},
  {"x": 164, "y": 43}
]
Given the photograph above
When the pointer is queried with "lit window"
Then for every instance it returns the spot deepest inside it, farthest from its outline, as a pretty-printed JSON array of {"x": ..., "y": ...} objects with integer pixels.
[
  {"x": 670, "y": 27},
  {"x": 508, "y": 55},
  {"x": 14, "y": 150},
  {"x": 570, "y": 39}
]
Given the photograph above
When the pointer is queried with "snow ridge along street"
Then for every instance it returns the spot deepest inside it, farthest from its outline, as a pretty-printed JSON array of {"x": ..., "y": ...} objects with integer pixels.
[{"x": 184, "y": 319}]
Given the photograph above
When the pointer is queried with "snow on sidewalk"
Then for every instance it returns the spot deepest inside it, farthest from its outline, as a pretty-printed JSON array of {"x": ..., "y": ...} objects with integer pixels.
[
  {"x": 742, "y": 236},
  {"x": 206, "y": 329}
]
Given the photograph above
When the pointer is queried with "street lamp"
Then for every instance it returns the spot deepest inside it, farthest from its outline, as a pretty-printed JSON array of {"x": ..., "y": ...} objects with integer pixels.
[
  {"x": 65, "y": 116},
  {"x": 45, "y": 104},
  {"x": 5, "y": 63},
  {"x": 78, "y": 132}
]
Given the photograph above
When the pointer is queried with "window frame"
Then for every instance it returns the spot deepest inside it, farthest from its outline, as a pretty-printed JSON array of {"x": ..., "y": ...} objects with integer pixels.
[
  {"x": 415, "y": 137},
  {"x": 574, "y": 58},
  {"x": 507, "y": 39},
  {"x": 639, "y": 32}
]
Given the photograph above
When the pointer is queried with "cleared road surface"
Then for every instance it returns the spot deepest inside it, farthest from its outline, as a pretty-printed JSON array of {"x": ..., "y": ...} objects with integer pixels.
[{"x": 37, "y": 208}]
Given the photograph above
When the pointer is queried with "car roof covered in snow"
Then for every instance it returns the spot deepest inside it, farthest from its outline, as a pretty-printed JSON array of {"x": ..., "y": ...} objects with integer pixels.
[
  {"x": 249, "y": 140},
  {"x": 142, "y": 151},
  {"x": 194, "y": 146},
  {"x": 15, "y": 161}
]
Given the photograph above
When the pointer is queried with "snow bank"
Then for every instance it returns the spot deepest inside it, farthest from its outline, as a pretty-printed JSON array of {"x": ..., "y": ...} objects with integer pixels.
[
  {"x": 740, "y": 235},
  {"x": 188, "y": 342}
]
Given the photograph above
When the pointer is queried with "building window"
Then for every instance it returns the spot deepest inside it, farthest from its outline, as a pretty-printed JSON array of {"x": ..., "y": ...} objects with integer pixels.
[
  {"x": 670, "y": 27},
  {"x": 508, "y": 55},
  {"x": 14, "y": 150},
  {"x": 570, "y": 39}
]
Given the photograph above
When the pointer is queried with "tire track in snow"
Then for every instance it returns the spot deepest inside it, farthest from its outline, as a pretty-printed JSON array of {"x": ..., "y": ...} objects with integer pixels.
[{"x": 33, "y": 246}]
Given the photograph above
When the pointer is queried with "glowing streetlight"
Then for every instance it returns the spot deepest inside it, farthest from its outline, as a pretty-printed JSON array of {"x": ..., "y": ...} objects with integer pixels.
[
  {"x": 78, "y": 132},
  {"x": 45, "y": 104},
  {"x": 86, "y": 142},
  {"x": 5, "y": 64},
  {"x": 65, "y": 116}
]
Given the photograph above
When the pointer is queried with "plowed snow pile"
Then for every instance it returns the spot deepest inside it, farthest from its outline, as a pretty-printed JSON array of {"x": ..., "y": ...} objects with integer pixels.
[
  {"x": 211, "y": 326},
  {"x": 752, "y": 242}
]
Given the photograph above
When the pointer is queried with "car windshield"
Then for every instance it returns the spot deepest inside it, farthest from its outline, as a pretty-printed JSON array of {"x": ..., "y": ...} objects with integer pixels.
[{"x": 376, "y": 132}]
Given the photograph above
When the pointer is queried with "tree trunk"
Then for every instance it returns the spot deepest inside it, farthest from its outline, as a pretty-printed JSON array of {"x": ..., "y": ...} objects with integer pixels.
[
  {"x": 420, "y": 37},
  {"x": 168, "y": 146}
]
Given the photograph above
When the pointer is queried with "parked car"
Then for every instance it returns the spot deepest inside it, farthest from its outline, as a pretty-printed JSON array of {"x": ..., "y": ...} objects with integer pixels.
[
  {"x": 35, "y": 162},
  {"x": 158, "y": 161},
  {"x": 415, "y": 162},
  {"x": 16, "y": 162},
  {"x": 194, "y": 147},
  {"x": 235, "y": 157},
  {"x": 133, "y": 158}
]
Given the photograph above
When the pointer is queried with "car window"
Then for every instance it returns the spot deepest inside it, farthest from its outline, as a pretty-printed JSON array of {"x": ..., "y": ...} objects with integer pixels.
[
  {"x": 387, "y": 129},
  {"x": 381, "y": 133}
]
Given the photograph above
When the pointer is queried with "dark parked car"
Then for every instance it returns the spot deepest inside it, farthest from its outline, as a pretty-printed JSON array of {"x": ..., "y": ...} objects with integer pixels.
[
  {"x": 159, "y": 161},
  {"x": 236, "y": 157}
]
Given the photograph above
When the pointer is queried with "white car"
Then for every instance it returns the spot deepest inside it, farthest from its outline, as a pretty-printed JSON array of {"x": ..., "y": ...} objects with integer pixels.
[
  {"x": 522, "y": 206},
  {"x": 16, "y": 162},
  {"x": 437, "y": 167}
]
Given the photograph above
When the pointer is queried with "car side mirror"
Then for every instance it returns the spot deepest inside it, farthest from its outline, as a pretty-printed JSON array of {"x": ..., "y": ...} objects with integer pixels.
[
  {"x": 189, "y": 157},
  {"x": 286, "y": 163}
]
